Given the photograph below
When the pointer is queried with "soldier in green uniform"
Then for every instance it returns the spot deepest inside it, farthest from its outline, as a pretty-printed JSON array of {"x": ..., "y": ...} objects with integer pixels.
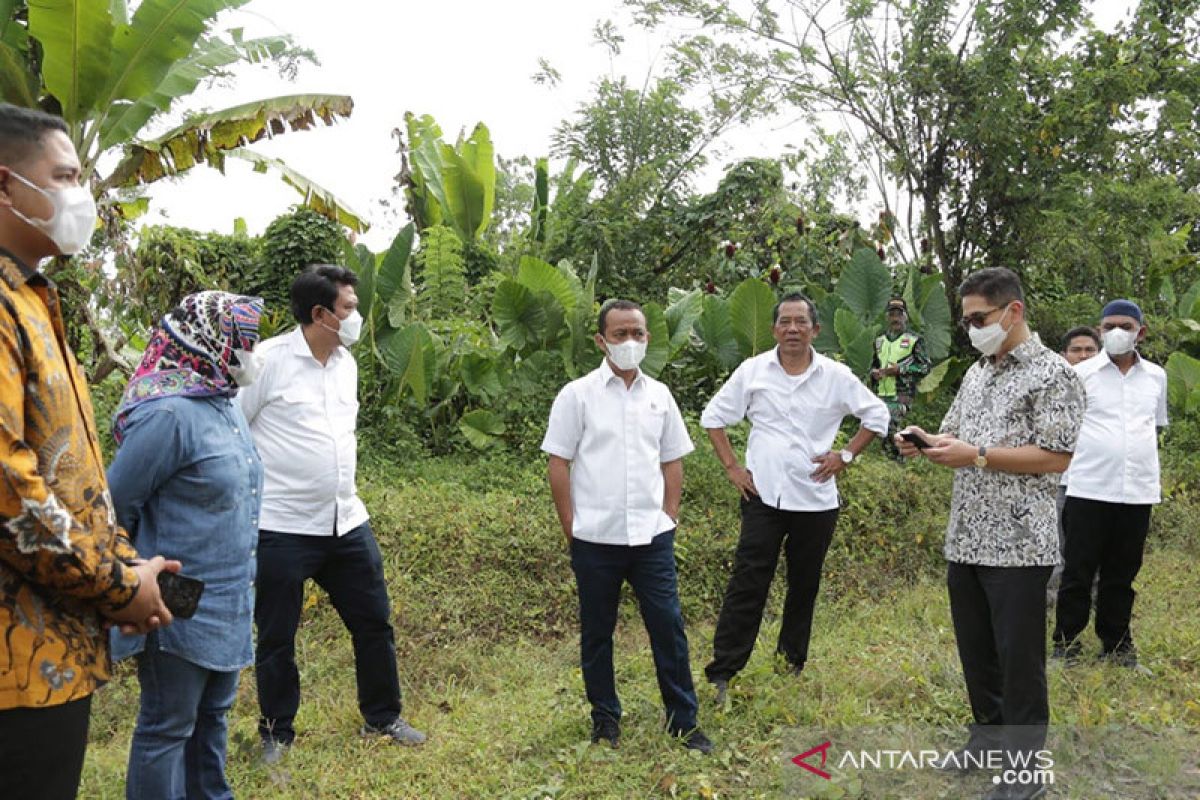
[{"x": 900, "y": 363}]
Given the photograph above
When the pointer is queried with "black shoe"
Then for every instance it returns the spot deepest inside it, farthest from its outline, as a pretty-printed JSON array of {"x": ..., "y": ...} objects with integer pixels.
[
  {"x": 696, "y": 740},
  {"x": 608, "y": 729},
  {"x": 1125, "y": 658},
  {"x": 1067, "y": 653}
]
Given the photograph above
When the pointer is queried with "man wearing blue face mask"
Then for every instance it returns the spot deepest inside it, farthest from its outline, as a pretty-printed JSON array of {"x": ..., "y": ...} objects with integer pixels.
[
  {"x": 1112, "y": 486},
  {"x": 616, "y": 443},
  {"x": 303, "y": 411}
]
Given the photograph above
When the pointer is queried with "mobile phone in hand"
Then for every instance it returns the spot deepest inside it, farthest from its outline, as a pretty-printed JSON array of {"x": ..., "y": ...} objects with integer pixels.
[
  {"x": 180, "y": 593},
  {"x": 915, "y": 439}
]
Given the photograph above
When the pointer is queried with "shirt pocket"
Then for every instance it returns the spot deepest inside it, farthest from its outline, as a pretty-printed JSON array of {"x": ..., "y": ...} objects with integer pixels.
[
  {"x": 653, "y": 421},
  {"x": 215, "y": 483}
]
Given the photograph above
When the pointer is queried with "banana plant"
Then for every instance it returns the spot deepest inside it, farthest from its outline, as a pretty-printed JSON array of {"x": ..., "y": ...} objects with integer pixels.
[
  {"x": 111, "y": 75},
  {"x": 454, "y": 186}
]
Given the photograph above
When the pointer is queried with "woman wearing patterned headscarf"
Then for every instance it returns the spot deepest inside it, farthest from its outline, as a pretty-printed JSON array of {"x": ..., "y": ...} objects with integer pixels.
[{"x": 186, "y": 482}]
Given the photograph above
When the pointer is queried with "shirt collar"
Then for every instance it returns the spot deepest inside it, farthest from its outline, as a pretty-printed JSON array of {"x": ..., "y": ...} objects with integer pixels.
[
  {"x": 1022, "y": 353},
  {"x": 607, "y": 374},
  {"x": 300, "y": 347},
  {"x": 1106, "y": 361},
  {"x": 814, "y": 365},
  {"x": 14, "y": 270}
]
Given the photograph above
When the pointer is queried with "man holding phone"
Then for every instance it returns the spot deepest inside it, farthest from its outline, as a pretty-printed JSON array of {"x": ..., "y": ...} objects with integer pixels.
[
  {"x": 66, "y": 568},
  {"x": 1008, "y": 434},
  {"x": 795, "y": 400}
]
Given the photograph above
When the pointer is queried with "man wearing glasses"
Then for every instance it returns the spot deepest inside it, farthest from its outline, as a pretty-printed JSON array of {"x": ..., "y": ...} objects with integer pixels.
[
  {"x": 1009, "y": 432},
  {"x": 795, "y": 400}
]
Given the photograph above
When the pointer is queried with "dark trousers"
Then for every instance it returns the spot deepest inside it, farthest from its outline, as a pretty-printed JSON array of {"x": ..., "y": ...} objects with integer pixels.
[
  {"x": 41, "y": 750},
  {"x": 804, "y": 537},
  {"x": 999, "y": 616},
  {"x": 1106, "y": 539},
  {"x": 350, "y": 569},
  {"x": 600, "y": 569}
]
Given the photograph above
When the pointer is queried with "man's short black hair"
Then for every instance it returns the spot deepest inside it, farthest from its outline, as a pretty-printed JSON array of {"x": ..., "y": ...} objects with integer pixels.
[
  {"x": 998, "y": 285},
  {"x": 22, "y": 131},
  {"x": 1075, "y": 333},
  {"x": 622, "y": 305},
  {"x": 319, "y": 285},
  {"x": 796, "y": 297}
]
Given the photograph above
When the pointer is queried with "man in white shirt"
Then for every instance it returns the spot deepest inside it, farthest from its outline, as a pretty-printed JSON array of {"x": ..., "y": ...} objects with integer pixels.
[
  {"x": 1112, "y": 485},
  {"x": 303, "y": 411},
  {"x": 795, "y": 400},
  {"x": 1079, "y": 344},
  {"x": 616, "y": 443}
]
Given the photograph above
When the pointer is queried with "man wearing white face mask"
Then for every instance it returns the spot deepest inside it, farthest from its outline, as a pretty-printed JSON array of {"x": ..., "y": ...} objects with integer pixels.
[
  {"x": 303, "y": 411},
  {"x": 66, "y": 566},
  {"x": 1112, "y": 486},
  {"x": 1009, "y": 432},
  {"x": 616, "y": 443}
]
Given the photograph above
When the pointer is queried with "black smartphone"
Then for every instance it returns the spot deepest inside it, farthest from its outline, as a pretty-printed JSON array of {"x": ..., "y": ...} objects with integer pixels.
[
  {"x": 180, "y": 594},
  {"x": 915, "y": 439}
]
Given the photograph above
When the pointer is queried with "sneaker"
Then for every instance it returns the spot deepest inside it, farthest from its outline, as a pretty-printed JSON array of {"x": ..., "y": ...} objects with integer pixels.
[
  {"x": 273, "y": 751},
  {"x": 1067, "y": 653},
  {"x": 1127, "y": 659},
  {"x": 398, "y": 731},
  {"x": 608, "y": 729},
  {"x": 722, "y": 688},
  {"x": 696, "y": 740}
]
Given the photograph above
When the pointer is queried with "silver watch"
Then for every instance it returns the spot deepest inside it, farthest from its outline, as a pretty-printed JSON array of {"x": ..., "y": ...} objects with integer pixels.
[{"x": 847, "y": 456}]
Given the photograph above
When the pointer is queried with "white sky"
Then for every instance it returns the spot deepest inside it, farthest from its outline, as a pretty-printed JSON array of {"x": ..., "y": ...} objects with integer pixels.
[{"x": 462, "y": 61}]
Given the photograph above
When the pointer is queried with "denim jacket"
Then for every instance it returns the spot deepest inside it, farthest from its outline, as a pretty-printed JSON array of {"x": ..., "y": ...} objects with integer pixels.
[{"x": 186, "y": 483}]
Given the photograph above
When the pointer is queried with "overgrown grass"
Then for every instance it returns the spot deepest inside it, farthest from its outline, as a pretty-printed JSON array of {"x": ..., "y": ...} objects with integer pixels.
[{"x": 485, "y": 617}]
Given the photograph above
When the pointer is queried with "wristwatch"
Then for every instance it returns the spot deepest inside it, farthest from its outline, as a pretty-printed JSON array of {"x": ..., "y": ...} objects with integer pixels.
[
  {"x": 847, "y": 456},
  {"x": 981, "y": 459}
]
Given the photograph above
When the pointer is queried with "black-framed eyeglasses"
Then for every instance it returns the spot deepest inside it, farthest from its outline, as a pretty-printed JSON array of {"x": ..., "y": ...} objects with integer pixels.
[{"x": 978, "y": 319}]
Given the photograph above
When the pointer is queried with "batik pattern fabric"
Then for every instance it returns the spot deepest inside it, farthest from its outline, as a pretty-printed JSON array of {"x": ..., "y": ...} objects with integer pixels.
[
  {"x": 1029, "y": 396},
  {"x": 191, "y": 349},
  {"x": 61, "y": 551}
]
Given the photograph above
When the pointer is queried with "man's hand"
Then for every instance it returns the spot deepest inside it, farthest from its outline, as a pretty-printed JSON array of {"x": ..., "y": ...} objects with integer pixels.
[
  {"x": 742, "y": 478},
  {"x": 876, "y": 374},
  {"x": 951, "y": 452},
  {"x": 146, "y": 612},
  {"x": 908, "y": 449},
  {"x": 566, "y": 529},
  {"x": 830, "y": 464}
]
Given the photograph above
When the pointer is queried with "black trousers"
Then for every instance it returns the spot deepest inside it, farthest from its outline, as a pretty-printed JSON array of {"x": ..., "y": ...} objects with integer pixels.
[
  {"x": 350, "y": 569},
  {"x": 804, "y": 537},
  {"x": 999, "y": 616},
  {"x": 41, "y": 750},
  {"x": 1106, "y": 539}
]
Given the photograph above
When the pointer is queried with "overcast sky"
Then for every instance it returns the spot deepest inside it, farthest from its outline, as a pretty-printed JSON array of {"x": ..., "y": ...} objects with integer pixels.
[{"x": 462, "y": 61}]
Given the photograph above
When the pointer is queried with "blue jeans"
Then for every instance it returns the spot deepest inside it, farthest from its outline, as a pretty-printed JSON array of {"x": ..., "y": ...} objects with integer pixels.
[
  {"x": 600, "y": 569},
  {"x": 178, "y": 748}
]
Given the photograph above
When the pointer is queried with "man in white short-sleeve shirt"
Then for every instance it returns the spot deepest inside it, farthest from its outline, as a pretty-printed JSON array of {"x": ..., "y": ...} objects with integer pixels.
[
  {"x": 1112, "y": 485},
  {"x": 303, "y": 412},
  {"x": 616, "y": 441},
  {"x": 795, "y": 399}
]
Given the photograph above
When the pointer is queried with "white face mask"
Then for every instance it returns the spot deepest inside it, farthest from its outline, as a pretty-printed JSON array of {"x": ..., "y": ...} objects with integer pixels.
[
  {"x": 349, "y": 329},
  {"x": 70, "y": 226},
  {"x": 990, "y": 338},
  {"x": 251, "y": 366},
  {"x": 628, "y": 354},
  {"x": 1118, "y": 341}
]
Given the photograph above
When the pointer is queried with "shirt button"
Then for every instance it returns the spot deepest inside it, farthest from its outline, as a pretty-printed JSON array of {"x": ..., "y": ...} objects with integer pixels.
[
  {"x": 235, "y": 430},
  {"x": 249, "y": 460}
]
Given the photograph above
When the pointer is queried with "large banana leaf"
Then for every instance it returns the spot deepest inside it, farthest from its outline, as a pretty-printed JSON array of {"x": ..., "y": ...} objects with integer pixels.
[
  {"x": 469, "y": 183},
  {"x": 658, "y": 351},
  {"x": 750, "y": 310},
  {"x": 681, "y": 318},
  {"x": 206, "y": 137},
  {"x": 540, "y": 276},
  {"x": 409, "y": 354},
  {"x": 124, "y": 119},
  {"x": 316, "y": 197},
  {"x": 519, "y": 314},
  {"x": 76, "y": 38},
  {"x": 857, "y": 340},
  {"x": 394, "y": 275},
  {"x": 716, "y": 331},
  {"x": 17, "y": 84},
  {"x": 865, "y": 285}
]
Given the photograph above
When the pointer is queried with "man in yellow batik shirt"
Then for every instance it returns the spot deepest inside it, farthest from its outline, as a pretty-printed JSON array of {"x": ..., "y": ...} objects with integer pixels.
[{"x": 66, "y": 569}]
